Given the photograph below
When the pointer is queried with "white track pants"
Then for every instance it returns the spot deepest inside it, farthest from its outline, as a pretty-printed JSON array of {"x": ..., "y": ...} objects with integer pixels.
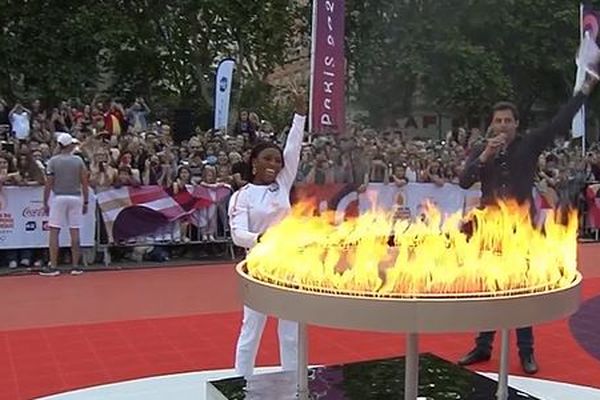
[{"x": 253, "y": 325}]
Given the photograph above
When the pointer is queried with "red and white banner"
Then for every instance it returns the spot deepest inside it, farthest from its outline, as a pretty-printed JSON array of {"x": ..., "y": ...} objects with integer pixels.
[
  {"x": 24, "y": 223},
  {"x": 328, "y": 112},
  {"x": 130, "y": 212},
  {"x": 408, "y": 200}
]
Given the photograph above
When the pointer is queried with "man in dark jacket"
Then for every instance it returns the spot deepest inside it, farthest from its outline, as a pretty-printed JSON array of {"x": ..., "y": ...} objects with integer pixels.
[{"x": 506, "y": 165}]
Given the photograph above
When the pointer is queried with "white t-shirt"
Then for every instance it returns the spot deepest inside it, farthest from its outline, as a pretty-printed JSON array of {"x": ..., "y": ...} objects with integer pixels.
[
  {"x": 410, "y": 175},
  {"x": 20, "y": 124},
  {"x": 254, "y": 208}
]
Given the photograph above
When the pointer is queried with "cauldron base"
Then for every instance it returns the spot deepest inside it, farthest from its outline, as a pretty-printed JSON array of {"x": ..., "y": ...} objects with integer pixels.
[{"x": 368, "y": 380}]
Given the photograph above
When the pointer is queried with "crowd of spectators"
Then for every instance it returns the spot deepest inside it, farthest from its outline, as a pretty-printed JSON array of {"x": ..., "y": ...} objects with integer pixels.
[{"x": 123, "y": 145}]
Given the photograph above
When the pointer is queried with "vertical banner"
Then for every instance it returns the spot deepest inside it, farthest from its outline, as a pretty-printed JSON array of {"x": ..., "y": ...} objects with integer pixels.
[
  {"x": 328, "y": 67},
  {"x": 589, "y": 26},
  {"x": 223, "y": 93}
]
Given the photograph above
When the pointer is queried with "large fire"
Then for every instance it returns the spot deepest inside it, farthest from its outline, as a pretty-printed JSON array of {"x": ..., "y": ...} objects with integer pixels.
[{"x": 430, "y": 257}]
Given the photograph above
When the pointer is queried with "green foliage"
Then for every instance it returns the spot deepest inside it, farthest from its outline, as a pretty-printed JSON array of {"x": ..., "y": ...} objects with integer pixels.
[
  {"x": 461, "y": 56},
  {"x": 457, "y": 55},
  {"x": 164, "y": 51}
]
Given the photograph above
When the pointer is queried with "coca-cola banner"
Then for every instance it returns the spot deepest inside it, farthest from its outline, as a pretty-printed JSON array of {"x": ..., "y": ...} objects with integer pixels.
[
  {"x": 24, "y": 224},
  {"x": 328, "y": 80}
]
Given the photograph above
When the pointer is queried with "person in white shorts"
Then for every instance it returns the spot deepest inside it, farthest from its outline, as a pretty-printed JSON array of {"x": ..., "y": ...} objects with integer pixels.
[{"x": 66, "y": 201}]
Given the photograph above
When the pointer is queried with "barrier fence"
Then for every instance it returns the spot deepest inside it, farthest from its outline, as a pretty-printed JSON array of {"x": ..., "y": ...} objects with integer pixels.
[{"x": 153, "y": 216}]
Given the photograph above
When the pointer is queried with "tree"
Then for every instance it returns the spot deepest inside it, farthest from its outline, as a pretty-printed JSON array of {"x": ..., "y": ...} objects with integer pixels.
[
  {"x": 164, "y": 50},
  {"x": 460, "y": 55},
  {"x": 51, "y": 49},
  {"x": 181, "y": 44}
]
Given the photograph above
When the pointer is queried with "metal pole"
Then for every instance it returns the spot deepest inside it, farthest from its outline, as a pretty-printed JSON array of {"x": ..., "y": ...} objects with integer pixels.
[
  {"x": 411, "y": 369},
  {"x": 302, "y": 373},
  {"x": 502, "y": 393}
]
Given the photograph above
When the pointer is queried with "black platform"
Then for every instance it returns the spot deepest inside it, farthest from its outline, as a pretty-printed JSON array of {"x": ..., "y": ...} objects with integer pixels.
[{"x": 370, "y": 380}]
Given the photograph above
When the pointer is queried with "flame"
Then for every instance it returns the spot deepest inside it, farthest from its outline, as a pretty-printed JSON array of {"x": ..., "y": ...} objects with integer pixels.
[{"x": 428, "y": 257}]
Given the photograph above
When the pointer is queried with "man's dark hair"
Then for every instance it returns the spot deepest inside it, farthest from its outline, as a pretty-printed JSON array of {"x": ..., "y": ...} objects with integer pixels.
[{"x": 506, "y": 105}]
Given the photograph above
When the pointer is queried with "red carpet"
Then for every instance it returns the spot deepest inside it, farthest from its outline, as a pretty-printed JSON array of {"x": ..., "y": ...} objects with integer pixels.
[{"x": 51, "y": 360}]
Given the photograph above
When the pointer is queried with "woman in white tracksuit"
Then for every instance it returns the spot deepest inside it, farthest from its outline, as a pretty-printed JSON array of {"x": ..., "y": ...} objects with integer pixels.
[{"x": 252, "y": 210}]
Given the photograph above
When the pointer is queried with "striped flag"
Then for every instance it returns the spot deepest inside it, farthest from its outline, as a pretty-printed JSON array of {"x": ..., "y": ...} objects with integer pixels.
[{"x": 136, "y": 211}]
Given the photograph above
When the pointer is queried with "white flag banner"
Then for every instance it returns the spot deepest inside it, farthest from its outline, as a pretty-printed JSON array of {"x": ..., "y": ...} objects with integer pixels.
[
  {"x": 578, "y": 126},
  {"x": 586, "y": 60},
  {"x": 223, "y": 93}
]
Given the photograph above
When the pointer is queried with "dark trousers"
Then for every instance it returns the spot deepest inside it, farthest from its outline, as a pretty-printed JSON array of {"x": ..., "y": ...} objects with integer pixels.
[{"x": 524, "y": 341}]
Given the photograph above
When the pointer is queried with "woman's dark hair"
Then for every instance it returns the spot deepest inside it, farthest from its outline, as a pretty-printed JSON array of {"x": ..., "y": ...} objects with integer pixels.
[
  {"x": 181, "y": 168},
  {"x": 258, "y": 148},
  {"x": 10, "y": 160},
  {"x": 123, "y": 154}
]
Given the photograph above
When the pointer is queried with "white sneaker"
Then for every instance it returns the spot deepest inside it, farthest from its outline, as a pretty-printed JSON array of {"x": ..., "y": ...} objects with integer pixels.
[
  {"x": 13, "y": 264},
  {"x": 76, "y": 271},
  {"x": 211, "y": 238},
  {"x": 25, "y": 262}
]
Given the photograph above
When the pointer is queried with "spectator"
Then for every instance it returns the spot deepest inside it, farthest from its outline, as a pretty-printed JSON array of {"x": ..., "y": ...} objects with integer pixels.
[
  {"x": 114, "y": 119},
  {"x": 183, "y": 155},
  {"x": 102, "y": 174},
  {"x": 379, "y": 171},
  {"x": 341, "y": 165},
  {"x": 126, "y": 160},
  {"x": 399, "y": 175},
  {"x": 245, "y": 128},
  {"x": 321, "y": 171},
  {"x": 39, "y": 132},
  {"x": 67, "y": 116},
  {"x": 157, "y": 171},
  {"x": 412, "y": 170},
  {"x": 58, "y": 122},
  {"x": 241, "y": 171},
  {"x": 223, "y": 168},
  {"x": 234, "y": 158},
  {"x": 306, "y": 163},
  {"x": 29, "y": 172},
  {"x": 182, "y": 181},
  {"x": 20, "y": 120},
  {"x": 207, "y": 216},
  {"x": 87, "y": 120},
  {"x": 97, "y": 115},
  {"x": 592, "y": 167},
  {"x": 434, "y": 174},
  {"x": 125, "y": 177},
  {"x": 8, "y": 173},
  {"x": 137, "y": 115}
]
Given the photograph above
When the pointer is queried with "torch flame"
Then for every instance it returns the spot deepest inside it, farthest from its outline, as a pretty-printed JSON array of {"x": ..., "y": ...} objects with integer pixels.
[{"x": 376, "y": 255}]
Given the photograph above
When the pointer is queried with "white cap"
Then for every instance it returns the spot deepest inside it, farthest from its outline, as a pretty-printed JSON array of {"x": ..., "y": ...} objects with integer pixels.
[{"x": 65, "y": 139}]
